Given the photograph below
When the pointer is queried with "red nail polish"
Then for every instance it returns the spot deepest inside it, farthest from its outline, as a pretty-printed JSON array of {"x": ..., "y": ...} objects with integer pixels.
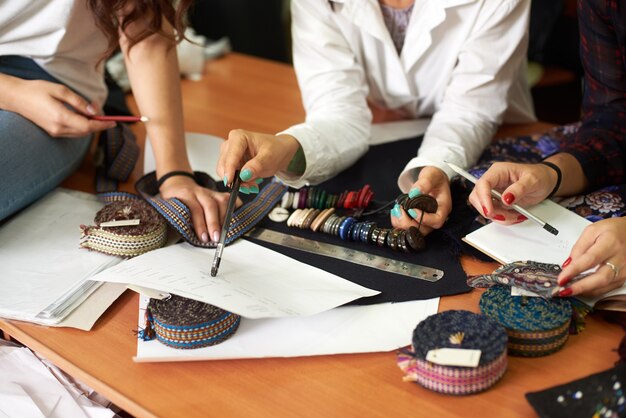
[
  {"x": 485, "y": 211},
  {"x": 566, "y": 292},
  {"x": 499, "y": 218},
  {"x": 565, "y": 281},
  {"x": 521, "y": 218},
  {"x": 508, "y": 198},
  {"x": 566, "y": 262}
]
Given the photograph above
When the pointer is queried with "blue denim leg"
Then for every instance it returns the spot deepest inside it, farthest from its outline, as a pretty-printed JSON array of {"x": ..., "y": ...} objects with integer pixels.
[{"x": 31, "y": 162}]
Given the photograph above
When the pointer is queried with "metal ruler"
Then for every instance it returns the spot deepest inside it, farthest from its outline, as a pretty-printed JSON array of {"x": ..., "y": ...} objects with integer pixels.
[{"x": 347, "y": 254}]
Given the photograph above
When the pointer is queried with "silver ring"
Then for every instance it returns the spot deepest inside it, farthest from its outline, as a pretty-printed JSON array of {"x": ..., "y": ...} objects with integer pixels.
[{"x": 613, "y": 267}]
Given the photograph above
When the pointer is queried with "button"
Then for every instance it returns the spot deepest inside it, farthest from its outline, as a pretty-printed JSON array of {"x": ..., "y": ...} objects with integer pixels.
[{"x": 278, "y": 214}]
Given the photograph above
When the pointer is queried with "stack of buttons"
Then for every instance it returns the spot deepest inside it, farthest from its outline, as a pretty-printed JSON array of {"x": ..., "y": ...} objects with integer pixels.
[{"x": 312, "y": 197}]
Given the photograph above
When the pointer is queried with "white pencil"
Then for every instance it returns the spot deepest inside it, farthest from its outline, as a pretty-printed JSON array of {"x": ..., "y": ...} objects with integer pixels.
[{"x": 497, "y": 195}]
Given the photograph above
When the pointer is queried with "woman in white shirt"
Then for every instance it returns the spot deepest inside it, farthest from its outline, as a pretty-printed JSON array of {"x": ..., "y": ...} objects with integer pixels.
[
  {"x": 52, "y": 80},
  {"x": 460, "y": 62}
]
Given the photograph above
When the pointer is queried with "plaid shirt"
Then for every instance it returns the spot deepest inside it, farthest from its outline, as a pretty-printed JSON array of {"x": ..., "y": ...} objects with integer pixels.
[{"x": 600, "y": 144}]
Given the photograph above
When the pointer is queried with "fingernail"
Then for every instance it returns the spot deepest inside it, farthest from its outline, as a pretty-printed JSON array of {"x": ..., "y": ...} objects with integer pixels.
[
  {"x": 216, "y": 236},
  {"x": 254, "y": 189},
  {"x": 566, "y": 262},
  {"x": 244, "y": 190},
  {"x": 485, "y": 211},
  {"x": 246, "y": 174},
  {"x": 499, "y": 218},
  {"x": 521, "y": 218},
  {"x": 412, "y": 213},
  {"x": 225, "y": 181},
  {"x": 396, "y": 211},
  {"x": 566, "y": 292},
  {"x": 565, "y": 281},
  {"x": 205, "y": 237},
  {"x": 508, "y": 198},
  {"x": 259, "y": 180},
  {"x": 414, "y": 192},
  {"x": 91, "y": 110}
]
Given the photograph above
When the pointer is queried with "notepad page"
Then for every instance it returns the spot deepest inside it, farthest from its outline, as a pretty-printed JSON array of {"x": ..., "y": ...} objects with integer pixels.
[{"x": 528, "y": 240}]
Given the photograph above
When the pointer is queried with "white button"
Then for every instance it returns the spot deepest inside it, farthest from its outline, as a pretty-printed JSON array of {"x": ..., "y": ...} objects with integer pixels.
[{"x": 279, "y": 214}]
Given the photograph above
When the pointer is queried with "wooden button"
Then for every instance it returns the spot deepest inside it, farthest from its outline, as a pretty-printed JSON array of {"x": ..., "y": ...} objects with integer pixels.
[{"x": 415, "y": 239}]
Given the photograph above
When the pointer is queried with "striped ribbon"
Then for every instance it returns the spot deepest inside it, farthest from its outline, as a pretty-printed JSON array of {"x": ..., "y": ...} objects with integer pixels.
[{"x": 118, "y": 154}]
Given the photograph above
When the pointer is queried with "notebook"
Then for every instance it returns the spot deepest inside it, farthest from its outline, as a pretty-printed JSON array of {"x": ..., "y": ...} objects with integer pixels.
[{"x": 528, "y": 241}]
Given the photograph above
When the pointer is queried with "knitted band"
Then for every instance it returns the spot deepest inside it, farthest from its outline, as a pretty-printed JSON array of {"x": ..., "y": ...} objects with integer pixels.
[
  {"x": 559, "y": 175},
  {"x": 173, "y": 174}
]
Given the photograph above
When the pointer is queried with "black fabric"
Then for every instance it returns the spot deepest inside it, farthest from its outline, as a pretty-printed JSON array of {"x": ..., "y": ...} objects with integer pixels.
[
  {"x": 601, "y": 394},
  {"x": 380, "y": 168}
]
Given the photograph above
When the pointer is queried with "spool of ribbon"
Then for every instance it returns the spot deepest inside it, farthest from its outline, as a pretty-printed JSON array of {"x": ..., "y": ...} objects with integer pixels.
[
  {"x": 127, "y": 227},
  {"x": 536, "y": 326},
  {"x": 456, "y": 329},
  {"x": 186, "y": 323}
]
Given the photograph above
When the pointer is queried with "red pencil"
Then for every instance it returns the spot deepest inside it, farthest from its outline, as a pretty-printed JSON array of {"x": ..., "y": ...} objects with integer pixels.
[{"x": 120, "y": 118}]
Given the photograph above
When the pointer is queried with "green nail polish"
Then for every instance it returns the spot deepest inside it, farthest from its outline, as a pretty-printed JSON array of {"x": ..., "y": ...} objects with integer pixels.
[
  {"x": 414, "y": 192},
  {"x": 413, "y": 213},
  {"x": 225, "y": 181},
  {"x": 246, "y": 174},
  {"x": 259, "y": 180},
  {"x": 396, "y": 211},
  {"x": 244, "y": 190},
  {"x": 254, "y": 189}
]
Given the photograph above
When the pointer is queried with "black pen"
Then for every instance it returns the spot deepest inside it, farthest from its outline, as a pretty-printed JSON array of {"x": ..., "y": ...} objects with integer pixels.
[
  {"x": 234, "y": 190},
  {"x": 497, "y": 195}
]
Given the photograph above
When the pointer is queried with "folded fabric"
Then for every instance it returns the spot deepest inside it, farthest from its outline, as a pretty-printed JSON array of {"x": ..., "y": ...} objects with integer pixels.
[{"x": 597, "y": 395}]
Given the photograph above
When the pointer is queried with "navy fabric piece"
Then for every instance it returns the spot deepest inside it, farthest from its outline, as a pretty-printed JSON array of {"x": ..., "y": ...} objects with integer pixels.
[
  {"x": 601, "y": 393},
  {"x": 380, "y": 168}
]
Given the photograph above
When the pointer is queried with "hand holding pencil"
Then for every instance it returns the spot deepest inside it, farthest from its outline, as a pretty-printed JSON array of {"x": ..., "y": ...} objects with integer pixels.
[{"x": 522, "y": 184}]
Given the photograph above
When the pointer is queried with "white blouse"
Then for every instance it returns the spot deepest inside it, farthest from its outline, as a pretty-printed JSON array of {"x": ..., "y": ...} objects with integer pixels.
[
  {"x": 59, "y": 35},
  {"x": 462, "y": 63}
]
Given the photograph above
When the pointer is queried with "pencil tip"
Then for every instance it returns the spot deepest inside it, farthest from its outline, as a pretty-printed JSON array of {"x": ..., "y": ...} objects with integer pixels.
[
  {"x": 551, "y": 229},
  {"x": 213, "y": 271},
  {"x": 144, "y": 119}
]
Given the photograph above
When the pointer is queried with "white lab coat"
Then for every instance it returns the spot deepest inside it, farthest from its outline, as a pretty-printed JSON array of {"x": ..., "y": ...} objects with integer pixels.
[{"x": 462, "y": 63}]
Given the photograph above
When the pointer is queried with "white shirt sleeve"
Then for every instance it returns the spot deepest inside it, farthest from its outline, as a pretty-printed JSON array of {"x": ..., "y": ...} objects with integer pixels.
[
  {"x": 334, "y": 91},
  {"x": 476, "y": 97}
]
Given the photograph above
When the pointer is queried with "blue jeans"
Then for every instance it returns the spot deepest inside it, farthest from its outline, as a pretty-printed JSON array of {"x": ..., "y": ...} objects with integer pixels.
[{"x": 32, "y": 163}]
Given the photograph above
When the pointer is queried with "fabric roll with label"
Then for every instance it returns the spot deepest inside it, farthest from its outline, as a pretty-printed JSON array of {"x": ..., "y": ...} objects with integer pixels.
[
  {"x": 536, "y": 326},
  {"x": 127, "y": 227},
  {"x": 456, "y": 352}
]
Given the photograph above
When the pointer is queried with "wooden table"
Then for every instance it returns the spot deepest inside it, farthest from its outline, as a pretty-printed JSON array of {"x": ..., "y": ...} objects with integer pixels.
[{"x": 244, "y": 92}]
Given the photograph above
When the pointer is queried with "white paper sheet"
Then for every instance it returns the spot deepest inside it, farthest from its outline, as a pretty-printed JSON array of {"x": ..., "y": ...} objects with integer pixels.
[
  {"x": 253, "y": 281},
  {"x": 393, "y": 131},
  {"x": 40, "y": 258},
  {"x": 527, "y": 240},
  {"x": 349, "y": 329},
  {"x": 203, "y": 151},
  {"x": 29, "y": 389}
]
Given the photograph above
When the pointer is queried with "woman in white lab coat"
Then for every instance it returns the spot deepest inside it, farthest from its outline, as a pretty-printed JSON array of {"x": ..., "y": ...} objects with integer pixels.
[{"x": 460, "y": 62}]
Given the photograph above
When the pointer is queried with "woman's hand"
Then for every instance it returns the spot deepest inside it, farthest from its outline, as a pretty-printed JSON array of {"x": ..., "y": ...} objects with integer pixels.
[
  {"x": 208, "y": 207},
  {"x": 257, "y": 155},
  {"x": 523, "y": 184},
  {"x": 601, "y": 244},
  {"x": 53, "y": 107},
  {"x": 434, "y": 182}
]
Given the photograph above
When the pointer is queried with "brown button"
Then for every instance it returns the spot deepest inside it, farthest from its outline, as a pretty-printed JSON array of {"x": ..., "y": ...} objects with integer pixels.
[
  {"x": 415, "y": 239},
  {"x": 382, "y": 238},
  {"x": 402, "y": 242}
]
